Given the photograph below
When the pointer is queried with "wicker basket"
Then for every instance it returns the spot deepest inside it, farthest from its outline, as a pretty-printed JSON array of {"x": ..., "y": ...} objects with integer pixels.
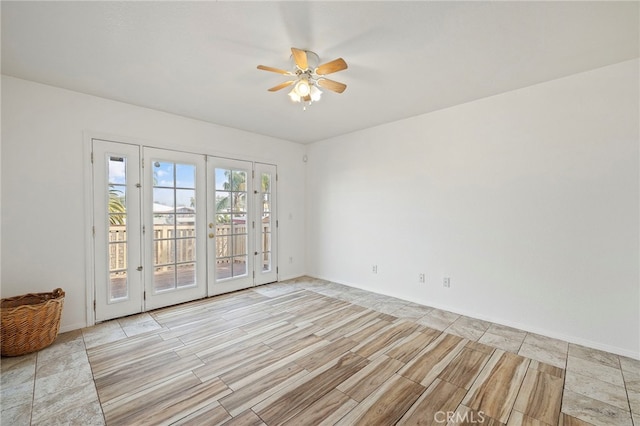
[{"x": 30, "y": 322}]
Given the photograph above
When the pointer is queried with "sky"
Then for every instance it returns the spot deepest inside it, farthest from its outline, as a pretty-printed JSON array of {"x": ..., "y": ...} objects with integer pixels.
[{"x": 169, "y": 179}]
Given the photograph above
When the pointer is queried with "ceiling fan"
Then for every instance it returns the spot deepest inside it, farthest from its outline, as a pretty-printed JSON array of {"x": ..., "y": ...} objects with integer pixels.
[{"x": 308, "y": 75}]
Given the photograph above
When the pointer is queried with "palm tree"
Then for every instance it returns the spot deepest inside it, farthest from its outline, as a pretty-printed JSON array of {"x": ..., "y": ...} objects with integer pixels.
[
  {"x": 237, "y": 186},
  {"x": 266, "y": 183},
  {"x": 235, "y": 183},
  {"x": 266, "y": 190},
  {"x": 116, "y": 206}
]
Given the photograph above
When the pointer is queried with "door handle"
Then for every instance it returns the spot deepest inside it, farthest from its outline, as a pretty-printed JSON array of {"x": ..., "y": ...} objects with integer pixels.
[{"x": 211, "y": 235}]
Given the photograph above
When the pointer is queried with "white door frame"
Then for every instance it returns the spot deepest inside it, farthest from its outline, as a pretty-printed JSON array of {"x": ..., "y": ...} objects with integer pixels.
[{"x": 106, "y": 154}]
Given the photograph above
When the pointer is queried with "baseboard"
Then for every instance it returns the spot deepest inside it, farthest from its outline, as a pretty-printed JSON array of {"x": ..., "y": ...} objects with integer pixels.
[
  {"x": 514, "y": 324},
  {"x": 292, "y": 277},
  {"x": 70, "y": 327}
]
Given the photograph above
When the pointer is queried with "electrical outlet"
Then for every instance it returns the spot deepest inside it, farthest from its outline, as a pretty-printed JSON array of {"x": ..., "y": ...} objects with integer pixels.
[
  {"x": 421, "y": 278},
  {"x": 446, "y": 282},
  {"x": 374, "y": 269}
]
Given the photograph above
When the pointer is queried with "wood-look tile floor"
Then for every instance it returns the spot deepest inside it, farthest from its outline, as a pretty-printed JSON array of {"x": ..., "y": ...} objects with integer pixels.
[{"x": 310, "y": 352}]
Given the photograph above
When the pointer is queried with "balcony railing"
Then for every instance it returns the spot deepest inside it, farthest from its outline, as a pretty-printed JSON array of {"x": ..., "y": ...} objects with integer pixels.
[{"x": 179, "y": 241}]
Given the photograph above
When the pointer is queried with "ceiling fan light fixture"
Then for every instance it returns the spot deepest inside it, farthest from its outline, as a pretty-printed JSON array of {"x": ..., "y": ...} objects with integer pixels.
[
  {"x": 315, "y": 93},
  {"x": 302, "y": 88},
  {"x": 294, "y": 96},
  {"x": 308, "y": 77}
]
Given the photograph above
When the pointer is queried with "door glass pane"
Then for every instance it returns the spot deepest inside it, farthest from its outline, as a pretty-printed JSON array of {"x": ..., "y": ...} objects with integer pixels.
[
  {"x": 223, "y": 268},
  {"x": 162, "y": 219},
  {"x": 163, "y": 200},
  {"x": 223, "y": 224},
  {"x": 118, "y": 285},
  {"x": 117, "y": 167},
  {"x": 239, "y": 224},
  {"x": 223, "y": 229},
  {"x": 186, "y": 200},
  {"x": 164, "y": 252},
  {"x": 174, "y": 219},
  {"x": 186, "y": 226},
  {"x": 223, "y": 202},
  {"x": 239, "y": 245},
  {"x": 265, "y": 226},
  {"x": 186, "y": 250},
  {"x": 185, "y": 176},
  {"x": 117, "y": 238},
  {"x": 266, "y": 262},
  {"x": 266, "y": 241},
  {"x": 231, "y": 223},
  {"x": 117, "y": 218},
  {"x": 239, "y": 202},
  {"x": 223, "y": 179},
  {"x": 163, "y": 174},
  {"x": 186, "y": 275},
  {"x": 223, "y": 246},
  {"x": 164, "y": 278},
  {"x": 239, "y": 181},
  {"x": 239, "y": 266}
]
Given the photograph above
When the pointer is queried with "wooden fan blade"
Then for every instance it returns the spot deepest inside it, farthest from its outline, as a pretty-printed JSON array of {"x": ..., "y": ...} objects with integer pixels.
[
  {"x": 331, "y": 67},
  {"x": 277, "y": 70},
  {"x": 332, "y": 85},
  {"x": 300, "y": 57},
  {"x": 281, "y": 86}
]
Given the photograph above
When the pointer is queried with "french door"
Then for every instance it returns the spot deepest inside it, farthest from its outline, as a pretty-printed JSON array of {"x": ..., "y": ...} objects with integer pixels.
[
  {"x": 241, "y": 229},
  {"x": 174, "y": 231},
  {"x": 117, "y": 230},
  {"x": 266, "y": 237},
  {"x": 168, "y": 228}
]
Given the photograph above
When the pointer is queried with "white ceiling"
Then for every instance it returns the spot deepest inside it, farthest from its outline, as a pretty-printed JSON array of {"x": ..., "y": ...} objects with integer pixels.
[{"x": 198, "y": 59}]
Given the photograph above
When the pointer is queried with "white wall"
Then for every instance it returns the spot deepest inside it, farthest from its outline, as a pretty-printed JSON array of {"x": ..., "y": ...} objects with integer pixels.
[
  {"x": 527, "y": 200},
  {"x": 43, "y": 205}
]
